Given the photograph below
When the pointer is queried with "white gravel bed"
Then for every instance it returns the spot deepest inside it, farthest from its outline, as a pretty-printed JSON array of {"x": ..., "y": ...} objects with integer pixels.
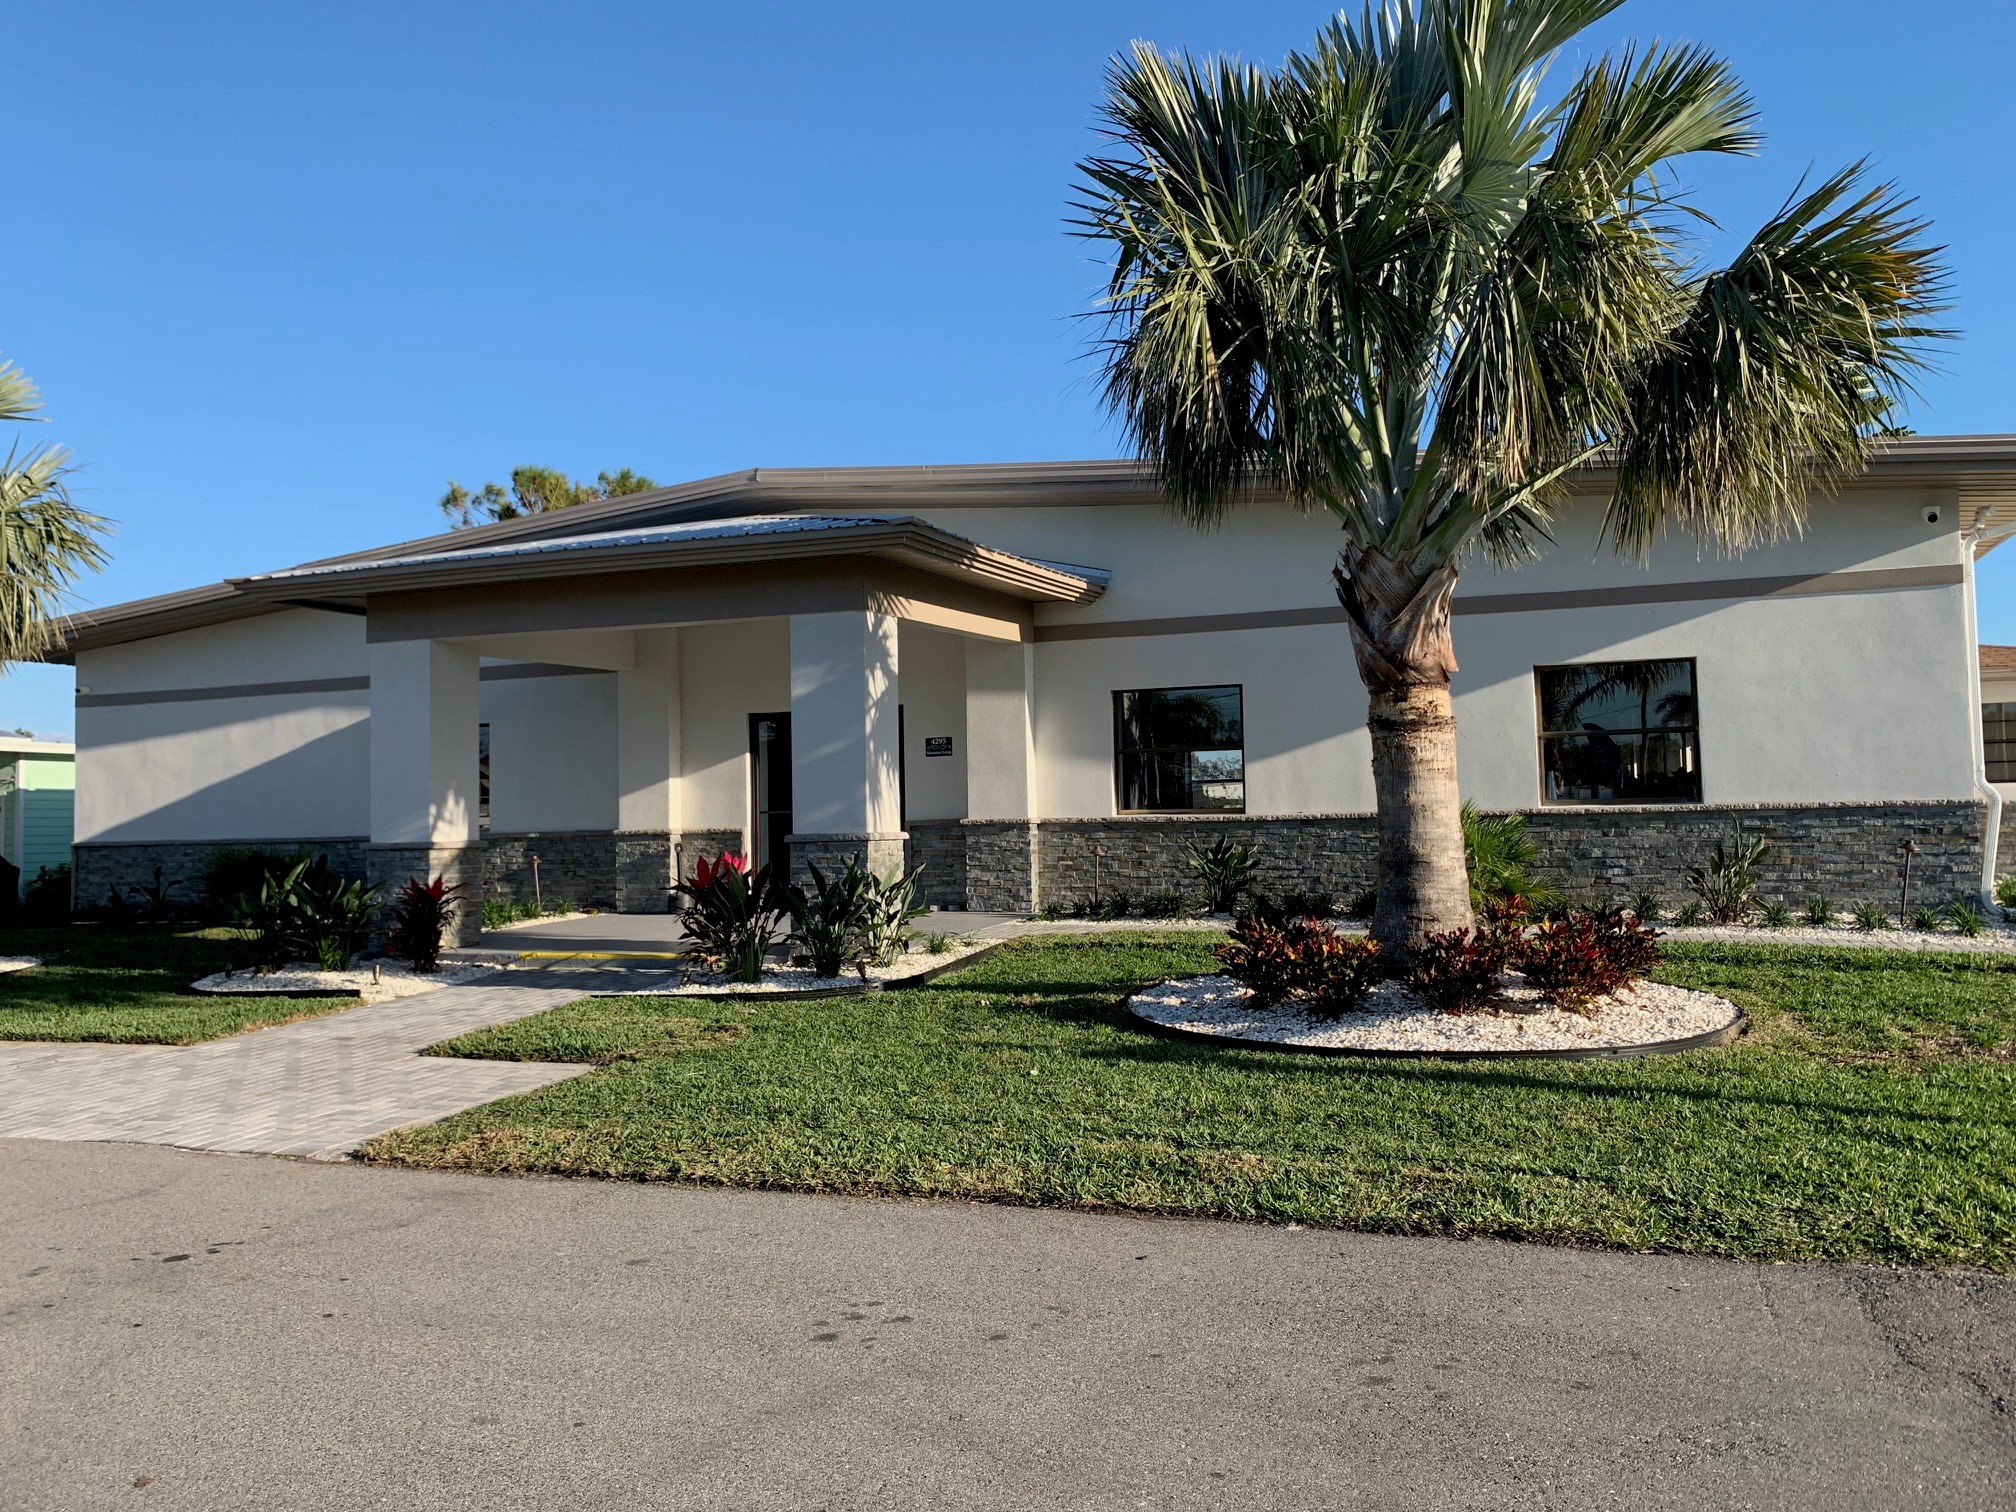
[
  {"x": 1647, "y": 1013},
  {"x": 1993, "y": 939},
  {"x": 18, "y": 963},
  {"x": 394, "y": 979},
  {"x": 698, "y": 983}
]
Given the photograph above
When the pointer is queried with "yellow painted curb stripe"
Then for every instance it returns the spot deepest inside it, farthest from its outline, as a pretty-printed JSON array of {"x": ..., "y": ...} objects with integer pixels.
[{"x": 602, "y": 955}]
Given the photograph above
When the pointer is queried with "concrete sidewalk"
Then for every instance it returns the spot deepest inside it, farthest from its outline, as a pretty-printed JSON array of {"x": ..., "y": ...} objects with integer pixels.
[{"x": 211, "y": 1333}]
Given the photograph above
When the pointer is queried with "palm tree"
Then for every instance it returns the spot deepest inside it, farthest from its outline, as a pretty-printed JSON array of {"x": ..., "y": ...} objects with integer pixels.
[
  {"x": 46, "y": 541},
  {"x": 1395, "y": 281}
]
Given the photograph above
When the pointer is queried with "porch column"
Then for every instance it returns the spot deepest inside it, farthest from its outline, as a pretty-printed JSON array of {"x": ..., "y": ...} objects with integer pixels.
[
  {"x": 1000, "y": 827},
  {"x": 424, "y": 791},
  {"x": 647, "y": 774},
  {"x": 844, "y": 751}
]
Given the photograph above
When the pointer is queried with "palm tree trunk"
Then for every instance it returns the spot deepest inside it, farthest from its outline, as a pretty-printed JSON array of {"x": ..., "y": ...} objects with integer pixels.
[{"x": 1399, "y": 621}]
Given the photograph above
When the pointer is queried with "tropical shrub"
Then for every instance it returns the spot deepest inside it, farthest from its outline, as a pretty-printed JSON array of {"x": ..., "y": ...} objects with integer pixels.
[
  {"x": 1360, "y": 905},
  {"x": 1587, "y": 954},
  {"x": 1776, "y": 915},
  {"x": 1302, "y": 960},
  {"x": 1646, "y": 906},
  {"x": 829, "y": 917},
  {"x": 305, "y": 911},
  {"x": 1341, "y": 975},
  {"x": 1499, "y": 855},
  {"x": 892, "y": 903},
  {"x": 1689, "y": 916},
  {"x": 241, "y": 870},
  {"x": 1820, "y": 912},
  {"x": 46, "y": 898},
  {"x": 1965, "y": 918},
  {"x": 1456, "y": 970},
  {"x": 1870, "y": 917},
  {"x": 1925, "y": 918},
  {"x": 732, "y": 915},
  {"x": 1224, "y": 871},
  {"x": 2005, "y": 892},
  {"x": 1727, "y": 885},
  {"x": 420, "y": 915},
  {"x": 1164, "y": 905}
]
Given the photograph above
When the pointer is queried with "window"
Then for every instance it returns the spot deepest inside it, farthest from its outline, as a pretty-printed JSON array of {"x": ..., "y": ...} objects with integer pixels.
[
  {"x": 1998, "y": 740},
  {"x": 1619, "y": 732},
  {"x": 483, "y": 776},
  {"x": 1180, "y": 750}
]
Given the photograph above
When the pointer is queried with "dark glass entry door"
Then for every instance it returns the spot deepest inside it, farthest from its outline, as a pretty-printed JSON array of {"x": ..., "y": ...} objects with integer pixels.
[{"x": 770, "y": 790}]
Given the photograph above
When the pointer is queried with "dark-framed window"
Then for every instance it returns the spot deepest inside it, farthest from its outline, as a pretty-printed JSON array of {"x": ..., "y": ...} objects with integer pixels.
[
  {"x": 1619, "y": 732},
  {"x": 1998, "y": 740},
  {"x": 1180, "y": 750}
]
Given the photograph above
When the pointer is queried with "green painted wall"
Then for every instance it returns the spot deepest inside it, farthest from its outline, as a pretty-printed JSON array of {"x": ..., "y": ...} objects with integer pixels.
[{"x": 38, "y": 817}]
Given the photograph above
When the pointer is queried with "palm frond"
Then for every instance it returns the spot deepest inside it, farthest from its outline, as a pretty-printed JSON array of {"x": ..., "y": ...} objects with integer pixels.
[
  {"x": 19, "y": 398},
  {"x": 1771, "y": 384},
  {"x": 46, "y": 543}
]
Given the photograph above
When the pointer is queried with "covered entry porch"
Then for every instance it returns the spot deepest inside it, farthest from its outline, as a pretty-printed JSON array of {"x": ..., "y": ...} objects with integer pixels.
[{"x": 809, "y": 688}]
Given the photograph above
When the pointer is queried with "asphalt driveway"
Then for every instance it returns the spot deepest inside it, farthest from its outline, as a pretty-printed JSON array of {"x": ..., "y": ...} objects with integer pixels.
[{"x": 206, "y": 1331}]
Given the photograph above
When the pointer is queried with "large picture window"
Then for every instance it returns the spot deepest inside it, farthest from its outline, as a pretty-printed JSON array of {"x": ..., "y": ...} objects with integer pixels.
[
  {"x": 1619, "y": 732},
  {"x": 1180, "y": 750},
  {"x": 1998, "y": 740}
]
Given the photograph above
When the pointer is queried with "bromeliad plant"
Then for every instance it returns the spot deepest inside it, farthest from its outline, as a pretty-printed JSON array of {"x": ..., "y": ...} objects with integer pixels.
[
  {"x": 732, "y": 915},
  {"x": 420, "y": 915},
  {"x": 1398, "y": 281}
]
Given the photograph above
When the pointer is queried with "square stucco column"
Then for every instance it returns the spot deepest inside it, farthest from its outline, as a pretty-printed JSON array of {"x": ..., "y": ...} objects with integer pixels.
[
  {"x": 424, "y": 785},
  {"x": 845, "y": 799},
  {"x": 1000, "y": 827},
  {"x": 647, "y": 774}
]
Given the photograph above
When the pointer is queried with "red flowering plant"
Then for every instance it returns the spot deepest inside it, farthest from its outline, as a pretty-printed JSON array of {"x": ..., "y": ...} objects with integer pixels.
[
  {"x": 1300, "y": 960},
  {"x": 732, "y": 914}
]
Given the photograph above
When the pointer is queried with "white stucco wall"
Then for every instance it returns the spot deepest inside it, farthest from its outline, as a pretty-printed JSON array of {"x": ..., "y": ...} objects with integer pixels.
[
  {"x": 726, "y": 673},
  {"x": 288, "y": 766},
  {"x": 932, "y": 679},
  {"x": 552, "y": 752}
]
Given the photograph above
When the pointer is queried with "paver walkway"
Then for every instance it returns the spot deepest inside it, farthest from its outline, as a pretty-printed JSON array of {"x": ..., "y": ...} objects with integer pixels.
[{"x": 318, "y": 1087}]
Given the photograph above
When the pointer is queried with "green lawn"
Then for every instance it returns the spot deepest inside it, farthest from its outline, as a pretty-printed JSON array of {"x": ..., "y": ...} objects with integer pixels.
[
  {"x": 1871, "y": 1115},
  {"x": 131, "y": 986}
]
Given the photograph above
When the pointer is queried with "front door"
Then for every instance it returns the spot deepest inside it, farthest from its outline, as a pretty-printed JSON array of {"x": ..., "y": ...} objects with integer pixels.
[{"x": 770, "y": 790}]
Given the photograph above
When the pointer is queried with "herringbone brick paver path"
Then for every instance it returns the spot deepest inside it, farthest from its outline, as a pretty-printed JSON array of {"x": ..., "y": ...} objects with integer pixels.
[{"x": 321, "y": 1086}]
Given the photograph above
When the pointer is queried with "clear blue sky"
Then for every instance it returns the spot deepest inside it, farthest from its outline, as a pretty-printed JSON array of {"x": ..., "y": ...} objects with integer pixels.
[{"x": 283, "y": 270}]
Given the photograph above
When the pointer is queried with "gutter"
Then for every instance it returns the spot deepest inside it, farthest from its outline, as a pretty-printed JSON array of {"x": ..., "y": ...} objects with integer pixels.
[{"x": 1991, "y": 837}]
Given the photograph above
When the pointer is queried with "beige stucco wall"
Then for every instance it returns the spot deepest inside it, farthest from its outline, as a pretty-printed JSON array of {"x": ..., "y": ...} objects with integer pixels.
[{"x": 552, "y": 752}]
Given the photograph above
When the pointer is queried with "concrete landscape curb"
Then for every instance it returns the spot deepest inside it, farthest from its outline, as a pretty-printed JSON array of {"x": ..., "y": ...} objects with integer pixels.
[{"x": 1728, "y": 1034}]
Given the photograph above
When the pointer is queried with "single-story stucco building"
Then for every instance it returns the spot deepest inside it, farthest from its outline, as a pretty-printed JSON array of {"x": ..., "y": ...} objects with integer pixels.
[{"x": 1035, "y": 680}]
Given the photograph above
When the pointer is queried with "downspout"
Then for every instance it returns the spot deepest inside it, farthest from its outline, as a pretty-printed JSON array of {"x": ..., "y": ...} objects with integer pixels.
[{"x": 1991, "y": 836}]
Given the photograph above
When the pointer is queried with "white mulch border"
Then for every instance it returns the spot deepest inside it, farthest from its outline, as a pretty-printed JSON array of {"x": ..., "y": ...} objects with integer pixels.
[
  {"x": 694, "y": 982},
  {"x": 392, "y": 979},
  {"x": 18, "y": 963},
  {"x": 1393, "y": 1019},
  {"x": 1996, "y": 938}
]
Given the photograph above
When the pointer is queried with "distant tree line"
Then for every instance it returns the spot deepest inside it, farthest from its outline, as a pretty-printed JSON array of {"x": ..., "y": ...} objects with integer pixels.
[{"x": 534, "y": 490}]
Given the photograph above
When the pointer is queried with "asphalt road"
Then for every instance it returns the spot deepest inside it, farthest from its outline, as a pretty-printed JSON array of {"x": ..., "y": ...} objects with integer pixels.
[{"x": 215, "y": 1332}]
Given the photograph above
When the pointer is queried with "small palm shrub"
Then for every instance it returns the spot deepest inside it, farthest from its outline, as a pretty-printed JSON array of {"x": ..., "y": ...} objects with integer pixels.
[
  {"x": 731, "y": 915},
  {"x": 1500, "y": 855},
  {"x": 1925, "y": 918},
  {"x": 420, "y": 915},
  {"x": 1965, "y": 918},
  {"x": 1224, "y": 871},
  {"x": 1820, "y": 912},
  {"x": 1776, "y": 915},
  {"x": 1727, "y": 885},
  {"x": 1457, "y": 970},
  {"x": 1869, "y": 917}
]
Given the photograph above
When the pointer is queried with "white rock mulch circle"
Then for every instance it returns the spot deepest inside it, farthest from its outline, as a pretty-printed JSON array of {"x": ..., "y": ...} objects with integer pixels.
[
  {"x": 18, "y": 963},
  {"x": 799, "y": 980},
  {"x": 391, "y": 979},
  {"x": 1638, "y": 1019}
]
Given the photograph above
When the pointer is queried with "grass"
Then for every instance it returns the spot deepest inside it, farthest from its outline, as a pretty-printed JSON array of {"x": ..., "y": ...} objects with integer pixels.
[
  {"x": 130, "y": 986},
  {"x": 1869, "y": 1116}
]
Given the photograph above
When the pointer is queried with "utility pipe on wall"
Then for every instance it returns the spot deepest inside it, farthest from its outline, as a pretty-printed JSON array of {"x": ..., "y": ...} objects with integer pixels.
[{"x": 1991, "y": 838}]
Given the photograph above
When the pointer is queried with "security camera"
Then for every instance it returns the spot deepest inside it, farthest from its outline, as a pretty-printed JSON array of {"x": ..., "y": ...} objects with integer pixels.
[{"x": 1930, "y": 514}]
